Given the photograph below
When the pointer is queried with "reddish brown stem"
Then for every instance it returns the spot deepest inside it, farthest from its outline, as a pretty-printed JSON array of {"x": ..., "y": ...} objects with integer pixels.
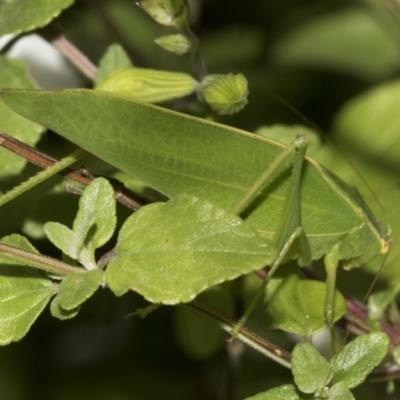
[{"x": 42, "y": 160}]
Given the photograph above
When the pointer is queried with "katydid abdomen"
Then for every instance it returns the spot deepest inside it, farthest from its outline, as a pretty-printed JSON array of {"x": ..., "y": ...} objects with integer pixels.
[{"x": 175, "y": 153}]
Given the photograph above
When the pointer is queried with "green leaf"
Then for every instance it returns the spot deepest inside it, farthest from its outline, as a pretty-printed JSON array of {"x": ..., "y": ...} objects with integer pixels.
[
  {"x": 77, "y": 288},
  {"x": 289, "y": 306},
  {"x": 26, "y": 15},
  {"x": 178, "y": 44},
  {"x": 24, "y": 293},
  {"x": 14, "y": 74},
  {"x": 96, "y": 219},
  {"x": 349, "y": 41},
  {"x": 310, "y": 370},
  {"x": 358, "y": 358},
  {"x": 69, "y": 243},
  {"x": 63, "y": 238},
  {"x": 114, "y": 57},
  {"x": 285, "y": 392},
  {"x": 339, "y": 392},
  {"x": 93, "y": 225},
  {"x": 148, "y": 85},
  {"x": 58, "y": 312},
  {"x": 170, "y": 252}
]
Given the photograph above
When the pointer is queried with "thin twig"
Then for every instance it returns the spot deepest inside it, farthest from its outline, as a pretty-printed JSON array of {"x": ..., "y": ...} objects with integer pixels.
[
  {"x": 30, "y": 259},
  {"x": 247, "y": 336},
  {"x": 70, "y": 51},
  {"x": 42, "y": 160}
]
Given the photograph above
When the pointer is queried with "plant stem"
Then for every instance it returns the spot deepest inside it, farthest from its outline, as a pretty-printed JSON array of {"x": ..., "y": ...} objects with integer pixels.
[
  {"x": 39, "y": 261},
  {"x": 197, "y": 57},
  {"x": 245, "y": 335},
  {"x": 84, "y": 177},
  {"x": 70, "y": 51}
]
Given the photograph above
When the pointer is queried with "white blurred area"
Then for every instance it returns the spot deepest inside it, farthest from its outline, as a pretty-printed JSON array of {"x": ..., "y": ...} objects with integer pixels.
[{"x": 49, "y": 68}]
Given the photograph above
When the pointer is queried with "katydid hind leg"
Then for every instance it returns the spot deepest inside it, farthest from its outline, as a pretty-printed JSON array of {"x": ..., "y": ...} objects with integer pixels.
[{"x": 289, "y": 238}]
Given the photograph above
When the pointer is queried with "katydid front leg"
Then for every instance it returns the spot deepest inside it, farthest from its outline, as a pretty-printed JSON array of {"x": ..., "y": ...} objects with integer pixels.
[{"x": 289, "y": 238}]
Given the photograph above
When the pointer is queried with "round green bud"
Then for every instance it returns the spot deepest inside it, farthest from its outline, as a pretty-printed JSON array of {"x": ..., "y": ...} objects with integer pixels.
[{"x": 226, "y": 94}]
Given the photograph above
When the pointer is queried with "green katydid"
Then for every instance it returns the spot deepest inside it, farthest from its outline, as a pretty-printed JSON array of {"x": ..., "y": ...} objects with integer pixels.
[{"x": 303, "y": 209}]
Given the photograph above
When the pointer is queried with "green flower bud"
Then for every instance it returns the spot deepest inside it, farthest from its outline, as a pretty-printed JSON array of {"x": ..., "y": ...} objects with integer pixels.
[
  {"x": 167, "y": 12},
  {"x": 151, "y": 86},
  {"x": 226, "y": 94},
  {"x": 178, "y": 44}
]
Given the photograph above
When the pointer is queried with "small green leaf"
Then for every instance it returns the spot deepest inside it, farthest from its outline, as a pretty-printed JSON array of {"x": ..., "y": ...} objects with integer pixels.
[
  {"x": 358, "y": 358},
  {"x": 25, "y": 15},
  {"x": 96, "y": 219},
  {"x": 310, "y": 370},
  {"x": 93, "y": 225},
  {"x": 170, "y": 252},
  {"x": 114, "y": 57},
  {"x": 63, "y": 238},
  {"x": 178, "y": 44},
  {"x": 148, "y": 85},
  {"x": 58, "y": 312},
  {"x": 226, "y": 94},
  {"x": 289, "y": 306},
  {"x": 339, "y": 392},
  {"x": 285, "y": 392},
  {"x": 14, "y": 74},
  {"x": 77, "y": 288},
  {"x": 69, "y": 243},
  {"x": 24, "y": 293}
]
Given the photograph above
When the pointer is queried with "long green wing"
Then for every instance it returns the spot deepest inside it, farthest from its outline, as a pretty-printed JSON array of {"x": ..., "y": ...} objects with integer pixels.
[{"x": 175, "y": 153}]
